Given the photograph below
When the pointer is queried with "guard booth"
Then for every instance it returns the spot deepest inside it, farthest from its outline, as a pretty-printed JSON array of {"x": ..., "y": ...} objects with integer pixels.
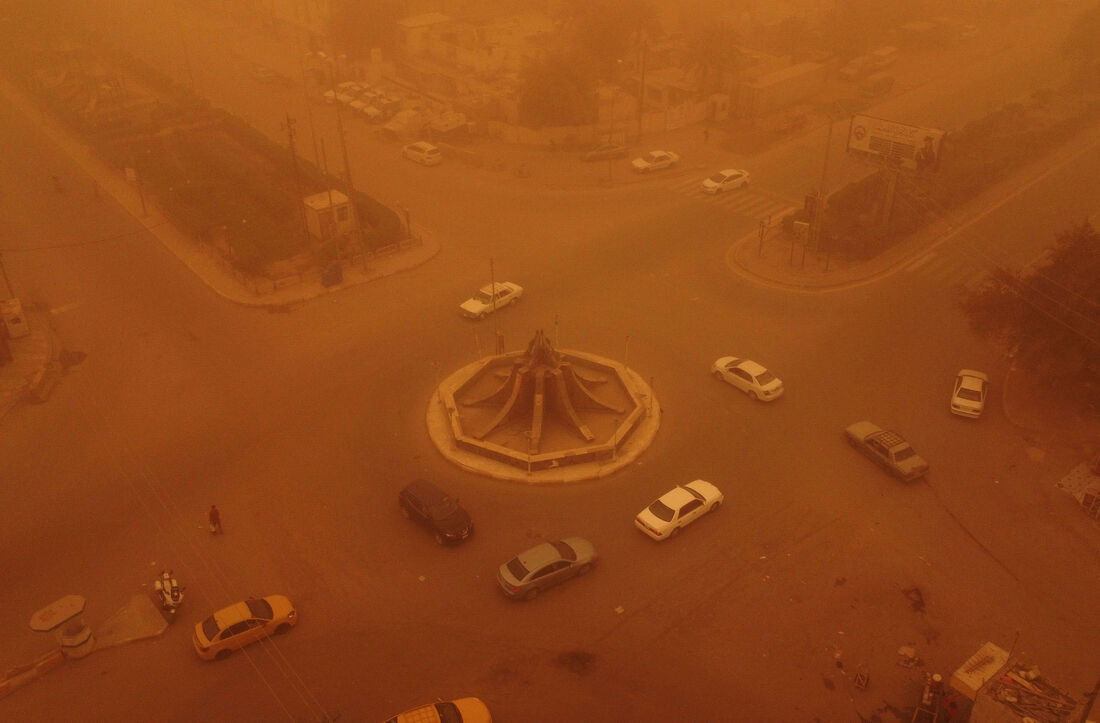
[
  {"x": 11, "y": 315},
  {"x": 328, "y": 215}
]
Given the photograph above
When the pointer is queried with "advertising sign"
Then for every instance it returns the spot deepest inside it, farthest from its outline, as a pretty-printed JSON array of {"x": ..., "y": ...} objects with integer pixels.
[{"x": 911, "y": 148}]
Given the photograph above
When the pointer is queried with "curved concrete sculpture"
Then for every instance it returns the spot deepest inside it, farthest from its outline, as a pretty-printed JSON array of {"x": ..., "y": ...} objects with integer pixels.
[{"x": 543, "y": 414}]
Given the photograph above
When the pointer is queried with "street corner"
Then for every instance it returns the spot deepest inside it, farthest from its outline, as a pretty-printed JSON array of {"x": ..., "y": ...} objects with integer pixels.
[{"x": 139, "y": 618}]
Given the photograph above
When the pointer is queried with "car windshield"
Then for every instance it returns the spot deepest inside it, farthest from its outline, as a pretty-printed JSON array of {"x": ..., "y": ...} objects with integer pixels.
[
  {"x": 448, "y": 712},
  {"x": 516, "y": 568},
  {"x": 903, "y": 454},
  {"x": 718, "y": 177},
  {"x": 651, "y": 157},
  {"x": 210, "y": 627},
  {"x": 661, "y": 511},
  {"x": 483, "y": 297},
  {"x": 764, "y": 377},
  {"x": 260, "y": 608},
  {"x": 566, "y": 552},
  {"x": 972, "y": 395}
]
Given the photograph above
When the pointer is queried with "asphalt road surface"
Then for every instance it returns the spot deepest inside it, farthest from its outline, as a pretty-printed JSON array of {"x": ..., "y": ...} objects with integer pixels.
[{"x": 302, "y": 426}]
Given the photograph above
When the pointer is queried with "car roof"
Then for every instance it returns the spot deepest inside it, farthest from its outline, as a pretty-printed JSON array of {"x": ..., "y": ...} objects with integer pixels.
[
  {"x": 501, "y": 286},
  {"x": 677, "y": 497},
  {"x": 732, "y": 171},
  {"x": 539, "y": 555},
  {"x": 424, "y": 490},
  {"x": 751, "y": 367}
]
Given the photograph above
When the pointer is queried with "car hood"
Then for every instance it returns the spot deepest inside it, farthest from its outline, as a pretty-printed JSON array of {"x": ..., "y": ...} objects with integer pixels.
[
  {"x": 640, "y": 163},
  {"x": 915, "y": 466},
  {"x": 473, "y": 306}
]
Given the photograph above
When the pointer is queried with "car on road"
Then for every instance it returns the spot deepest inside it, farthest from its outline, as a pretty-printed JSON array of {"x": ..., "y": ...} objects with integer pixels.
[
  {"x": 971, "y": 388},
  {"x": 726, "y": 180},
  {"x": 491, "y": 297},
  {"x": 887, "y": 448},
  {"x": 655, "y": 161},
  {"x": 242, "y": 623},
  {"x": 678, "y": 508},
  {"x": 604, "y": 152},
  {"x": 427, "y": 505},
  {"x": 855, "y": 68},
  {"x": 423, "y": 153},
  {"x": 748, "y": 376},
  {"x": 460, "y": 710},
  {"x": 545, "y": 565}
]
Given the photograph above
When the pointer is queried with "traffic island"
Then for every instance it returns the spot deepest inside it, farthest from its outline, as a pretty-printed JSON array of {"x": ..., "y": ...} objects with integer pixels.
[{"x": 543, "y": 415}]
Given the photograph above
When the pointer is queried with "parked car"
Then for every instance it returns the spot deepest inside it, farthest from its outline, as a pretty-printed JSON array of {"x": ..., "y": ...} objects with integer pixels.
[
  {"x": 887, "y": 448},
  {"x": 748, "y": 376},
  {"x": 655, "y": 161},
  {"x": 604, "y": 152},
  {"x": 491, "y": 297},
  {"x": 968, "y": 399},
  {"x": 545, "y": 565},
  {"x": 876, "y": 84},
  {"x": 855, "y": 67},
  {"x": 678, "y": 508},
  {"x": 427, "y": 505},
  {"x": 423, "y": 153},
  {"x": 461, "y": 710},
  {"x": 725, "y": 180},
  {"x": 242, "y": 623}
]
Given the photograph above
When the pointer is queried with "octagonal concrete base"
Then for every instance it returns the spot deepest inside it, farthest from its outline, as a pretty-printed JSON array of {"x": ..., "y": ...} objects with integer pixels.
[{"x": 439, "y": 429}]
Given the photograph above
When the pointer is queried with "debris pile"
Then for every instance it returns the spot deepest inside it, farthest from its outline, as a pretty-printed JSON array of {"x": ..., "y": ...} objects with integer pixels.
[{"x": 1024, "y": 691}]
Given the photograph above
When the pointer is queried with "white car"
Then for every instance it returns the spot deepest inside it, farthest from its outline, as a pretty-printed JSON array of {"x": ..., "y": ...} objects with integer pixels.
[
  {"x": 678, "y": 507},
  {"x": 423, "y": 153},
  {"x": 748, "y": 376},
  {"x": 971, "y": 388},
  {"x": 491, "y": 297},
  {"x": 725, "y": 180},
  {"x": 654, "y": 161}
]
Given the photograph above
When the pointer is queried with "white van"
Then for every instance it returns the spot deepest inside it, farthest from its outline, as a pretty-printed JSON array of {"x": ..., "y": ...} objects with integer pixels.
[{"x": 882, "y": 58}]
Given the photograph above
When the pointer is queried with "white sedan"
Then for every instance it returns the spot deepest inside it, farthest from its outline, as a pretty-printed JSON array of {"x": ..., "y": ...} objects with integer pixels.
[
  {"x": 654, "y": 161},
  {"x": 725, "y": 180},
  {"x": 971, "y": 388},
  {"x": 678, "y": 507},
  {"x": 748, "y": 376},
  {"x": 491, "y": 297}
]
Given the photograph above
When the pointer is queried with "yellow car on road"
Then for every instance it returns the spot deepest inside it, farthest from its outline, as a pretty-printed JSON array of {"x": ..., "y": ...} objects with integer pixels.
[
  {"x": 462, "y": 710},
  {"x": 242, "y": 623}
]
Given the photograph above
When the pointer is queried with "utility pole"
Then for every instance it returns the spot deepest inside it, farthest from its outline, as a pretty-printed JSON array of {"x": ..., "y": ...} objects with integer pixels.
[
  {"x": 818, "y": 218},
  {"x": 7, "y": 281},
  {"x": 641, "y": 92},
  {"x": 297, "y": 177}
]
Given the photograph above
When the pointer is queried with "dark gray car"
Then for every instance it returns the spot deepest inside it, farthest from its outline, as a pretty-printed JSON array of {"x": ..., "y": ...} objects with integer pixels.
[
  {"x": 545, "y": 565},
  {"x": 426, "y": 504}
]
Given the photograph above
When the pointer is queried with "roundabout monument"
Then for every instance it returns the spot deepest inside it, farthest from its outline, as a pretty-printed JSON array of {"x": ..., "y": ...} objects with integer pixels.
[{"x": 543, "y": 415}]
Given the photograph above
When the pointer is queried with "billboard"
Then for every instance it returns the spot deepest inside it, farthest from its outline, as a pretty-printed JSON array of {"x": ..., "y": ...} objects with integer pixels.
[{"x": 912, "y": 148}]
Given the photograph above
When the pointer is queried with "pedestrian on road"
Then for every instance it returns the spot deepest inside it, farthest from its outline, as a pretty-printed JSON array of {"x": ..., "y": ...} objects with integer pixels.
[{"x": 215, "y": 520}]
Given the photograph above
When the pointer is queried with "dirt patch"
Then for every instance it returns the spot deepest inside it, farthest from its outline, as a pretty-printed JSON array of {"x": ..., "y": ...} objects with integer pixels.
[
  {"x": 916, "y": 599},
  {"x": 577, "y": 662}
]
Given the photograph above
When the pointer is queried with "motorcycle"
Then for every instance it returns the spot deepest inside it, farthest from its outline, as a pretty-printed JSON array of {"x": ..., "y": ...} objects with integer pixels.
[{"x": 169, "y": 592}]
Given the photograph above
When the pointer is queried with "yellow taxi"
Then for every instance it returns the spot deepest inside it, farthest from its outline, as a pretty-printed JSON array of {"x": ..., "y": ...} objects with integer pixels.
[
  {"x": 462, "y": 710},
  {"x": 242, "y": 623}
]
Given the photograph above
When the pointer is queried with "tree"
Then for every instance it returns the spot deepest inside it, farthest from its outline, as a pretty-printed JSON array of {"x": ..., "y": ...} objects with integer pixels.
[
  {"x": 1082, "y": 46},
  {"x": 556, "y": 91},
  {"x": 602, "y": 33},
  {"x": 1049, "y": 314},
  {"x": 712, "y": 54}
]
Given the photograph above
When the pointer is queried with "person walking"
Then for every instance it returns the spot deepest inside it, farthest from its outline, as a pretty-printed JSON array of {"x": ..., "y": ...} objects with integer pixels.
[{"x": 215, "y": 520}]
